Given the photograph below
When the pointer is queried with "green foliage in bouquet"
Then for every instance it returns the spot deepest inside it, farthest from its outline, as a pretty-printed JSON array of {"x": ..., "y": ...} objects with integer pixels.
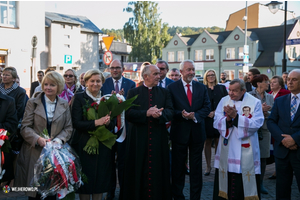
[{"x": 111, "y": 106}]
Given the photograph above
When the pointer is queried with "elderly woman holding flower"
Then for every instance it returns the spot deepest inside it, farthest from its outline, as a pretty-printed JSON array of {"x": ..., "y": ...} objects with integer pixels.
[
  {"x": 97, "y": 167},
  {"x": 44, "y": 112}
]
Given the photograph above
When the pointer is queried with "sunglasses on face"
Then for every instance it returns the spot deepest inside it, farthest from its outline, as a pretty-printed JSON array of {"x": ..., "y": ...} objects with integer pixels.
[{"x": 66, "y": 75}]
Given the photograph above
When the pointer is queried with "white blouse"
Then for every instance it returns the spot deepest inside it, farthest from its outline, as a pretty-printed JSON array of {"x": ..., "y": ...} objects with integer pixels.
[{"x": 50, "y": 107}]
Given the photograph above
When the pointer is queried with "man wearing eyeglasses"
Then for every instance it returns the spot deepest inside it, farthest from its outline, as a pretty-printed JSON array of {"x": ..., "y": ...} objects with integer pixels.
[
  {"x": 164, "y": 68},
  {"x": 119, "y": 84}
]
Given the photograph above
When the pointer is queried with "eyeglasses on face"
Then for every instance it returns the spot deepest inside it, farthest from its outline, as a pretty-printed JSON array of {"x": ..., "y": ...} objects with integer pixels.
[
  {"x": 115, "y": 68},
  {"x": 68, "y": 75},
  {"x": 211, "y": 75},
  {"x": 162, "y": 69}
]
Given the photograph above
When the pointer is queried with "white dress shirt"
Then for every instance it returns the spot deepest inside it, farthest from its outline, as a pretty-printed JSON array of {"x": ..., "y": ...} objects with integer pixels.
[
  {"x": 50, "y": 107},
  {"x": 119, "y": 83},
  {"x": 163, "y": 83},
  {"x": 185, "y": 87}
]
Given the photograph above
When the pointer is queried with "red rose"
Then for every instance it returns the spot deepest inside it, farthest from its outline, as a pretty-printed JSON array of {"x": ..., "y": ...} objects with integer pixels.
[{"x": 94, "y": 104}]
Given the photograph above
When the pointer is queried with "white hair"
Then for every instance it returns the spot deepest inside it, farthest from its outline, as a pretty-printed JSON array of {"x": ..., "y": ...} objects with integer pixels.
[{"x": 182, "y": 64}]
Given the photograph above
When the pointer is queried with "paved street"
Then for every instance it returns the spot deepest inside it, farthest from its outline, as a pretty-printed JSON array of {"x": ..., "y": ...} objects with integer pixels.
[{"x": 207, "y": 189}]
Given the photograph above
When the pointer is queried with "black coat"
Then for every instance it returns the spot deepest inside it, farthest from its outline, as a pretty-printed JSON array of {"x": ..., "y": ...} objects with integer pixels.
[
  {"x": 97, "y": 168},
  {"x": 215, "y": 96},
  {"x": 182, "y": 130},
  {"x": 33, "y": 86},
  {"x": 19, "y": 95},
  {"x": 147, "y": 168},
  {"x": 8, "y": 117}
]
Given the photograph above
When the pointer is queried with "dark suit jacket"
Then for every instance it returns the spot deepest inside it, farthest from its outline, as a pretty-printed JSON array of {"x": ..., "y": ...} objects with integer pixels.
[
  {"x": 182, "y": 129},
  {"x": 248, "y": 86},
  {"x": 108, "y": 86},
  {"x": 168, "y": 81},
  {"x": 8, "y": 117},
  {"x": 279, "y": 122},
  {"x": 32, "y": 87},
  {"x": 19, "y": 95}
]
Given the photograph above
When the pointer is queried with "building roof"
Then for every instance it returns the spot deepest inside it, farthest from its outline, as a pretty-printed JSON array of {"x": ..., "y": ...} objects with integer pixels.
[
  {"x": 270, "y": 41},
  {"x": 84, "y": 22},
  {"x": 189, "y": 39}
]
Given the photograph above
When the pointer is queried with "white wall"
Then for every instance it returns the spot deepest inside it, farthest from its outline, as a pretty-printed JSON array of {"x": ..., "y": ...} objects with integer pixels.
[{"x": 30, "y": 22}]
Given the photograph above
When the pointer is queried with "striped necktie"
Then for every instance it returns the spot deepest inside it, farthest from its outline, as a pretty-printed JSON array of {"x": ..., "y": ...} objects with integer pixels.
[{"x": 293, "y": 107}]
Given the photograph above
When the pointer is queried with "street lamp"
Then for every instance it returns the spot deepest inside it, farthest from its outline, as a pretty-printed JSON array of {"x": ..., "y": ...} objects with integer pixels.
[{"x": 274, "y": 7}]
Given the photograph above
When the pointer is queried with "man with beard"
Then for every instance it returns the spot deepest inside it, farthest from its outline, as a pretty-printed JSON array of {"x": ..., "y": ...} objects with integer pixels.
[
  {"x": 223, "y": 80},
  {"x": 147, "y": 169},
  {"x": 191, "y": 106},
  {"x": 119, "y": 84}
]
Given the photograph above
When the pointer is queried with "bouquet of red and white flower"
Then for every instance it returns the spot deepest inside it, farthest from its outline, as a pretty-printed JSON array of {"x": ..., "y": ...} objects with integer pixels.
[
  {"x": 4, "y": 146},
  {"x": 57, "y": 171}
]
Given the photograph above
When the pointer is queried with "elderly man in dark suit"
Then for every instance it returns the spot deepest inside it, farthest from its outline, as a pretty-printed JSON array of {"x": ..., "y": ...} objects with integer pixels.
[
  {"x": 40, "y": 76},
  {"x": 191, "y": 106},
  {"x": 284, "y": 125},
  {"x": 164, "y": 68},
  {"x": 119, "y": 84}
]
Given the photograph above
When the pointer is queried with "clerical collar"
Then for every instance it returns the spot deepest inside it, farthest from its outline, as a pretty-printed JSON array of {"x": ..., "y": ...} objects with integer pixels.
[{"x": 150, "y": 88}]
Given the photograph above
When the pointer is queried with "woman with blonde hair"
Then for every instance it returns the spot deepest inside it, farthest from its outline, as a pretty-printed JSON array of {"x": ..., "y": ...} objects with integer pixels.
[
  {"x": 45, "y": 110},
  {"x": 71, "y": 85},
  {"x": 97, "y": 167},
  {"x": 215, "y": 93}
]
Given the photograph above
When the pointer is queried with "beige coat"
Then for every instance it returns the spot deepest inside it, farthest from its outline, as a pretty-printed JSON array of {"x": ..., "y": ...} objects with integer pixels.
[{"x": 34, "y": 122}]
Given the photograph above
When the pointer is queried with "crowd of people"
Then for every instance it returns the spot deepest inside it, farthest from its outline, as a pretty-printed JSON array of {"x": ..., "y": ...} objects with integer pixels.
[{"x": 250, "y": 123}]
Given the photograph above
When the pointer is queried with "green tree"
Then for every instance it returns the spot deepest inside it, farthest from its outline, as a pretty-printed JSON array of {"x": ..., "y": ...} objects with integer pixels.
[{"x": 145, "y": 31}]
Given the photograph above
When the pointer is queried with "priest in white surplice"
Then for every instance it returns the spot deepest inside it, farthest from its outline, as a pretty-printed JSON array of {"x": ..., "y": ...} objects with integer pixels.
[{"x": 237, "y": 161}]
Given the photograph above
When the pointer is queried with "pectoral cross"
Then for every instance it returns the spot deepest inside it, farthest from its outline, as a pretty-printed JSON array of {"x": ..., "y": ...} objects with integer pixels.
[
  {"x": 248, "y": 174},
  {"x": 223, "y": 172}
]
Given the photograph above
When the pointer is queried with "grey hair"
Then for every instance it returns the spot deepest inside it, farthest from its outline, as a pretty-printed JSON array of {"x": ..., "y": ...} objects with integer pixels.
[
  {"x": 295, "y": 70},
  {"x": 146, "y": 70},
  {"x": 241, "y": 82},
  {"x": 163, "y": 62},
  {"x": 182, "y": 64}
]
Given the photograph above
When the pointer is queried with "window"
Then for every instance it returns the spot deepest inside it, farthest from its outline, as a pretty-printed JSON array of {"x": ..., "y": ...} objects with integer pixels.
[
  {"x": 8, "y": 13},
  {"x": 171, "y": 57},
  {"x": 209, "y": 54},
  {"x": 198, "y": 54},
  {"x": 241, "y": 52},
  {"x": 292, "y": 52},
  {"x": 67, "y": 36},
  {"x": 67, "y": 46},
  {"x": 230, "y": 53},
  {"x": 62, "y": 26},
  {"x": 180, "y": 55}
]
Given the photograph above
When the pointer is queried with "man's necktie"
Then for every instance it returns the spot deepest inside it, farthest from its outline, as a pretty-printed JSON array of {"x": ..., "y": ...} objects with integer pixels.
[
  {"x": 160, "y": 83},
  {"x": 189, "y": 94},
  {"x": 293, "y": 107},
  {"x": 117, "y": 87}
]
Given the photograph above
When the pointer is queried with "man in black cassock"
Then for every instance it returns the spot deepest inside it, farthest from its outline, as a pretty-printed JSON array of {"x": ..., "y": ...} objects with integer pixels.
[{"x": 147, "y": 171}]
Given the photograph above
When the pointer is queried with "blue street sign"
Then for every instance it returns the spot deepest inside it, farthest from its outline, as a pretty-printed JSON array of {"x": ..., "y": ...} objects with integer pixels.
[
  {"x": 242, "y": 64},
  {"x": 239, "y": 64},
  {"x": 293, "y": 42},
  {"x": 68, "y": 59}
]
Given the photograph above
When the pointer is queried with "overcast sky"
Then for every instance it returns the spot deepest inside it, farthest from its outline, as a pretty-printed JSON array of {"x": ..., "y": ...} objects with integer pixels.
[{"x": 109, "y": 14}]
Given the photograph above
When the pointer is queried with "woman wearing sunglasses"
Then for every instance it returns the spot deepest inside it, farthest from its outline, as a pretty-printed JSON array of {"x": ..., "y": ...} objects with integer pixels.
[{"x": 71, "y": 85}]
